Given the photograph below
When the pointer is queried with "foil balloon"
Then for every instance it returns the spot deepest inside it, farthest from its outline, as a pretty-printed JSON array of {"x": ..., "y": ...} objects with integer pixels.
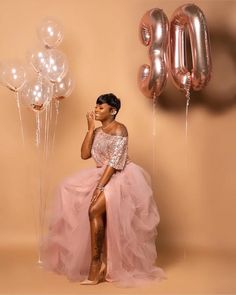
[
  {"x": 62, "y": 88},
  {"x": 37, "y": 93},
  {"x": 50, "y": 32},
  {"x": 13, "y": 75},
  {"x": 153, "y": 31},
  {"x": 190, "y": 17}
]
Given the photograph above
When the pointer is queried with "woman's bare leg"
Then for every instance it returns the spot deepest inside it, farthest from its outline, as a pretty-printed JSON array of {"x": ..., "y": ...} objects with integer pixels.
[
  {"x": 104, "y": 251},
  {"x": 97, "y": 213}
]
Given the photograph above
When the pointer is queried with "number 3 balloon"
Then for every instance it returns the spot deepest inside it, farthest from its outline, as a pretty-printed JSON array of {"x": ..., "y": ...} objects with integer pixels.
[{"x": 154, "y": 33}]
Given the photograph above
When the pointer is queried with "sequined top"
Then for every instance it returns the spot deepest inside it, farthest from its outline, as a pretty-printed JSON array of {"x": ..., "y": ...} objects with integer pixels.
[{"x": 110, "y": 149}]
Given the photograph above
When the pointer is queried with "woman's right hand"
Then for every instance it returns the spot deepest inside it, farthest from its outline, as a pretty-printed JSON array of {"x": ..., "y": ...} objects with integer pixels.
[{"x": 90, "y": 120}]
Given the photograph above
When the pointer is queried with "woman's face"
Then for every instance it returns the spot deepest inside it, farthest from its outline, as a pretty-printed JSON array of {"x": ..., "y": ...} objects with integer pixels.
[{"x": 103, "y": 112}]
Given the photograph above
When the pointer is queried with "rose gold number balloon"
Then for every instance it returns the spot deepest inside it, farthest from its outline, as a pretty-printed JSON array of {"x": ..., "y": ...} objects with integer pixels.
[
  {"x": 191, "y": 17},
  {"x": 154, "y": 33}
]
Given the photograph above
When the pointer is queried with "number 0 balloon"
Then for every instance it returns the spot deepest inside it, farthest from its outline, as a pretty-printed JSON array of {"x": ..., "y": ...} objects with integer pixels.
[{"x": 191, "y": 17}]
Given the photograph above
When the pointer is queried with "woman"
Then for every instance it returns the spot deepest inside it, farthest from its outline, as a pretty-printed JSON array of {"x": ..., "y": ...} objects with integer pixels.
[{"x": 104, "y": 219}]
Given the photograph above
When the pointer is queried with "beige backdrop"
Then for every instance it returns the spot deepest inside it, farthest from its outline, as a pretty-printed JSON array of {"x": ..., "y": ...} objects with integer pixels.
[{"x": 194, "y": 179}]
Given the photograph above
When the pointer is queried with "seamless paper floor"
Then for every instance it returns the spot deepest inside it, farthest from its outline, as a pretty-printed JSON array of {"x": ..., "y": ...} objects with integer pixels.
[{"x": 189, "y": 272}]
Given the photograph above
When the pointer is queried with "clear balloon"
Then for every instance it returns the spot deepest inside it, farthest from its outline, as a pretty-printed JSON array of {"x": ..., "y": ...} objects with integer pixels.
[
  {"x": 37, "y": 93},
  {"x": 50, "y": 32},
  {"x": 153, "y": 31},
  {"x": 56, "y": 66},
  {"x": 63, "y": 88},
  {"x": 39, "y": 59},
  {"x": 191, "y": 17},
  {"x": 13, "y": 75}
]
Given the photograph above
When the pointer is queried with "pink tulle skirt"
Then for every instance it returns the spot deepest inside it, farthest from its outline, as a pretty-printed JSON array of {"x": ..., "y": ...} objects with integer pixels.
[{"x": 131, "y": 227}]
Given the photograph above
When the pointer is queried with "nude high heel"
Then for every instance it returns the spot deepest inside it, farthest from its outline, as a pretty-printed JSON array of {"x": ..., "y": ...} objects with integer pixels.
[{"x": 100, "y": 278}]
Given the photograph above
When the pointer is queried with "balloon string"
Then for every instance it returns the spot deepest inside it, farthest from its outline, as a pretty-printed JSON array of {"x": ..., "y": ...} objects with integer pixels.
[
  {"x": 57, "y": 105},
  {"x": 154, "y": 115},
  {"x": 45, "y": 133},
  {"x": 41, "y": 205},
  {"x": 37, "y": 139},
  {"x": 187, "y": 95},
  {"x": 44, "y": 173},
  {"x": 48, "y": 127},
  {"x": 154, "y": 120},
  {"x": 20, "y": 117},
  {"x": 43, "y": 186},
  {"x": 36, "y": 228},
  {"x": 40, "y": 184},
  {"x": 43, "y": 176},
  {"x": 40, "y": 189}
]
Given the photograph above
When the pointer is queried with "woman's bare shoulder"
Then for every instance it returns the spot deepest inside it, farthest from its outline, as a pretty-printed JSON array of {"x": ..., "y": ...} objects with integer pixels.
[{"x": 120, "y": 129}]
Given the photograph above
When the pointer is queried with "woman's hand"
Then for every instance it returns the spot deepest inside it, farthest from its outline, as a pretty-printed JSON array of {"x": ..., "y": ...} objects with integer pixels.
[
  {"x": 90, "y": 120},
  {"x": 95, "y": 196},
  {"x": 88, "y": 140}
]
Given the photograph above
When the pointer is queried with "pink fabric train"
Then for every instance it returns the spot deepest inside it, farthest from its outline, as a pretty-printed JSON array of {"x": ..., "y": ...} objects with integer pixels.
[{"x": 132, "y": 218}]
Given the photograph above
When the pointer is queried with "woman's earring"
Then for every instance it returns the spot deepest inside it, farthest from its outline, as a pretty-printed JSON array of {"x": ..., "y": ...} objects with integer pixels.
[{"x": 113, "y": 113}]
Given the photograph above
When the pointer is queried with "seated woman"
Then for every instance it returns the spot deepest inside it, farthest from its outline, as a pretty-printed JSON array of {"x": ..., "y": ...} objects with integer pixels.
[{"x": 104, "y": 220}]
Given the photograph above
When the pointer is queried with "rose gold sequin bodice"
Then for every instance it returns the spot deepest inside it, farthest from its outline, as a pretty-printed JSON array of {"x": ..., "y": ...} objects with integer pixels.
[{"x": 110, "y": 150}]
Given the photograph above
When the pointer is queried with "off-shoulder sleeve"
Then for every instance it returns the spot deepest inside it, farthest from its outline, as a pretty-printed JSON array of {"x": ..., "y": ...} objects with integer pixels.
[{"x": 119, "y": 153}]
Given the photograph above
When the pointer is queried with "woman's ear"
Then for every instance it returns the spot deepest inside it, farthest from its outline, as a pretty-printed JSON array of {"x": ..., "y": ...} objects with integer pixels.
[{"x": 113, "y": 112}]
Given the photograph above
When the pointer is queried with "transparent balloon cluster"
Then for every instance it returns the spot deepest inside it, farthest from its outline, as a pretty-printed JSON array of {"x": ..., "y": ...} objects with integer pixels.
[
  {"x": 40, "y": 84},
  {"x": 51, "y": 79}
]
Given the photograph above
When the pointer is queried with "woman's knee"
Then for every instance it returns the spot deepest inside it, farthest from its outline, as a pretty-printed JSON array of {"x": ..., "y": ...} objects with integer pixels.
[
  {"x": 95, "y": 211},
  {"x": 98, "y": 208}
]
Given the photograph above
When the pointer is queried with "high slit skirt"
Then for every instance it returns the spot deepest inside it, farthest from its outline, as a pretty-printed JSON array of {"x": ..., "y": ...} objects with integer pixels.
[{"x": 131, "y": 227}]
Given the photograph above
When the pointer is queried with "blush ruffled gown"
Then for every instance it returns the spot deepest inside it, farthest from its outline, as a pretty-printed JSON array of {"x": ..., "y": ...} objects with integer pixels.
[{"x": 132, "y": 219}]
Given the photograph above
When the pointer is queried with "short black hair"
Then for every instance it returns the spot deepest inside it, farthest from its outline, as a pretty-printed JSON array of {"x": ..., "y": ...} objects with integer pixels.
[{"x": 110, "y": 99}]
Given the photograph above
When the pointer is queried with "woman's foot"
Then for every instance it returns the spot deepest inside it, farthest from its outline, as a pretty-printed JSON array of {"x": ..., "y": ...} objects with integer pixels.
[{"x": 97, "y": 273}]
